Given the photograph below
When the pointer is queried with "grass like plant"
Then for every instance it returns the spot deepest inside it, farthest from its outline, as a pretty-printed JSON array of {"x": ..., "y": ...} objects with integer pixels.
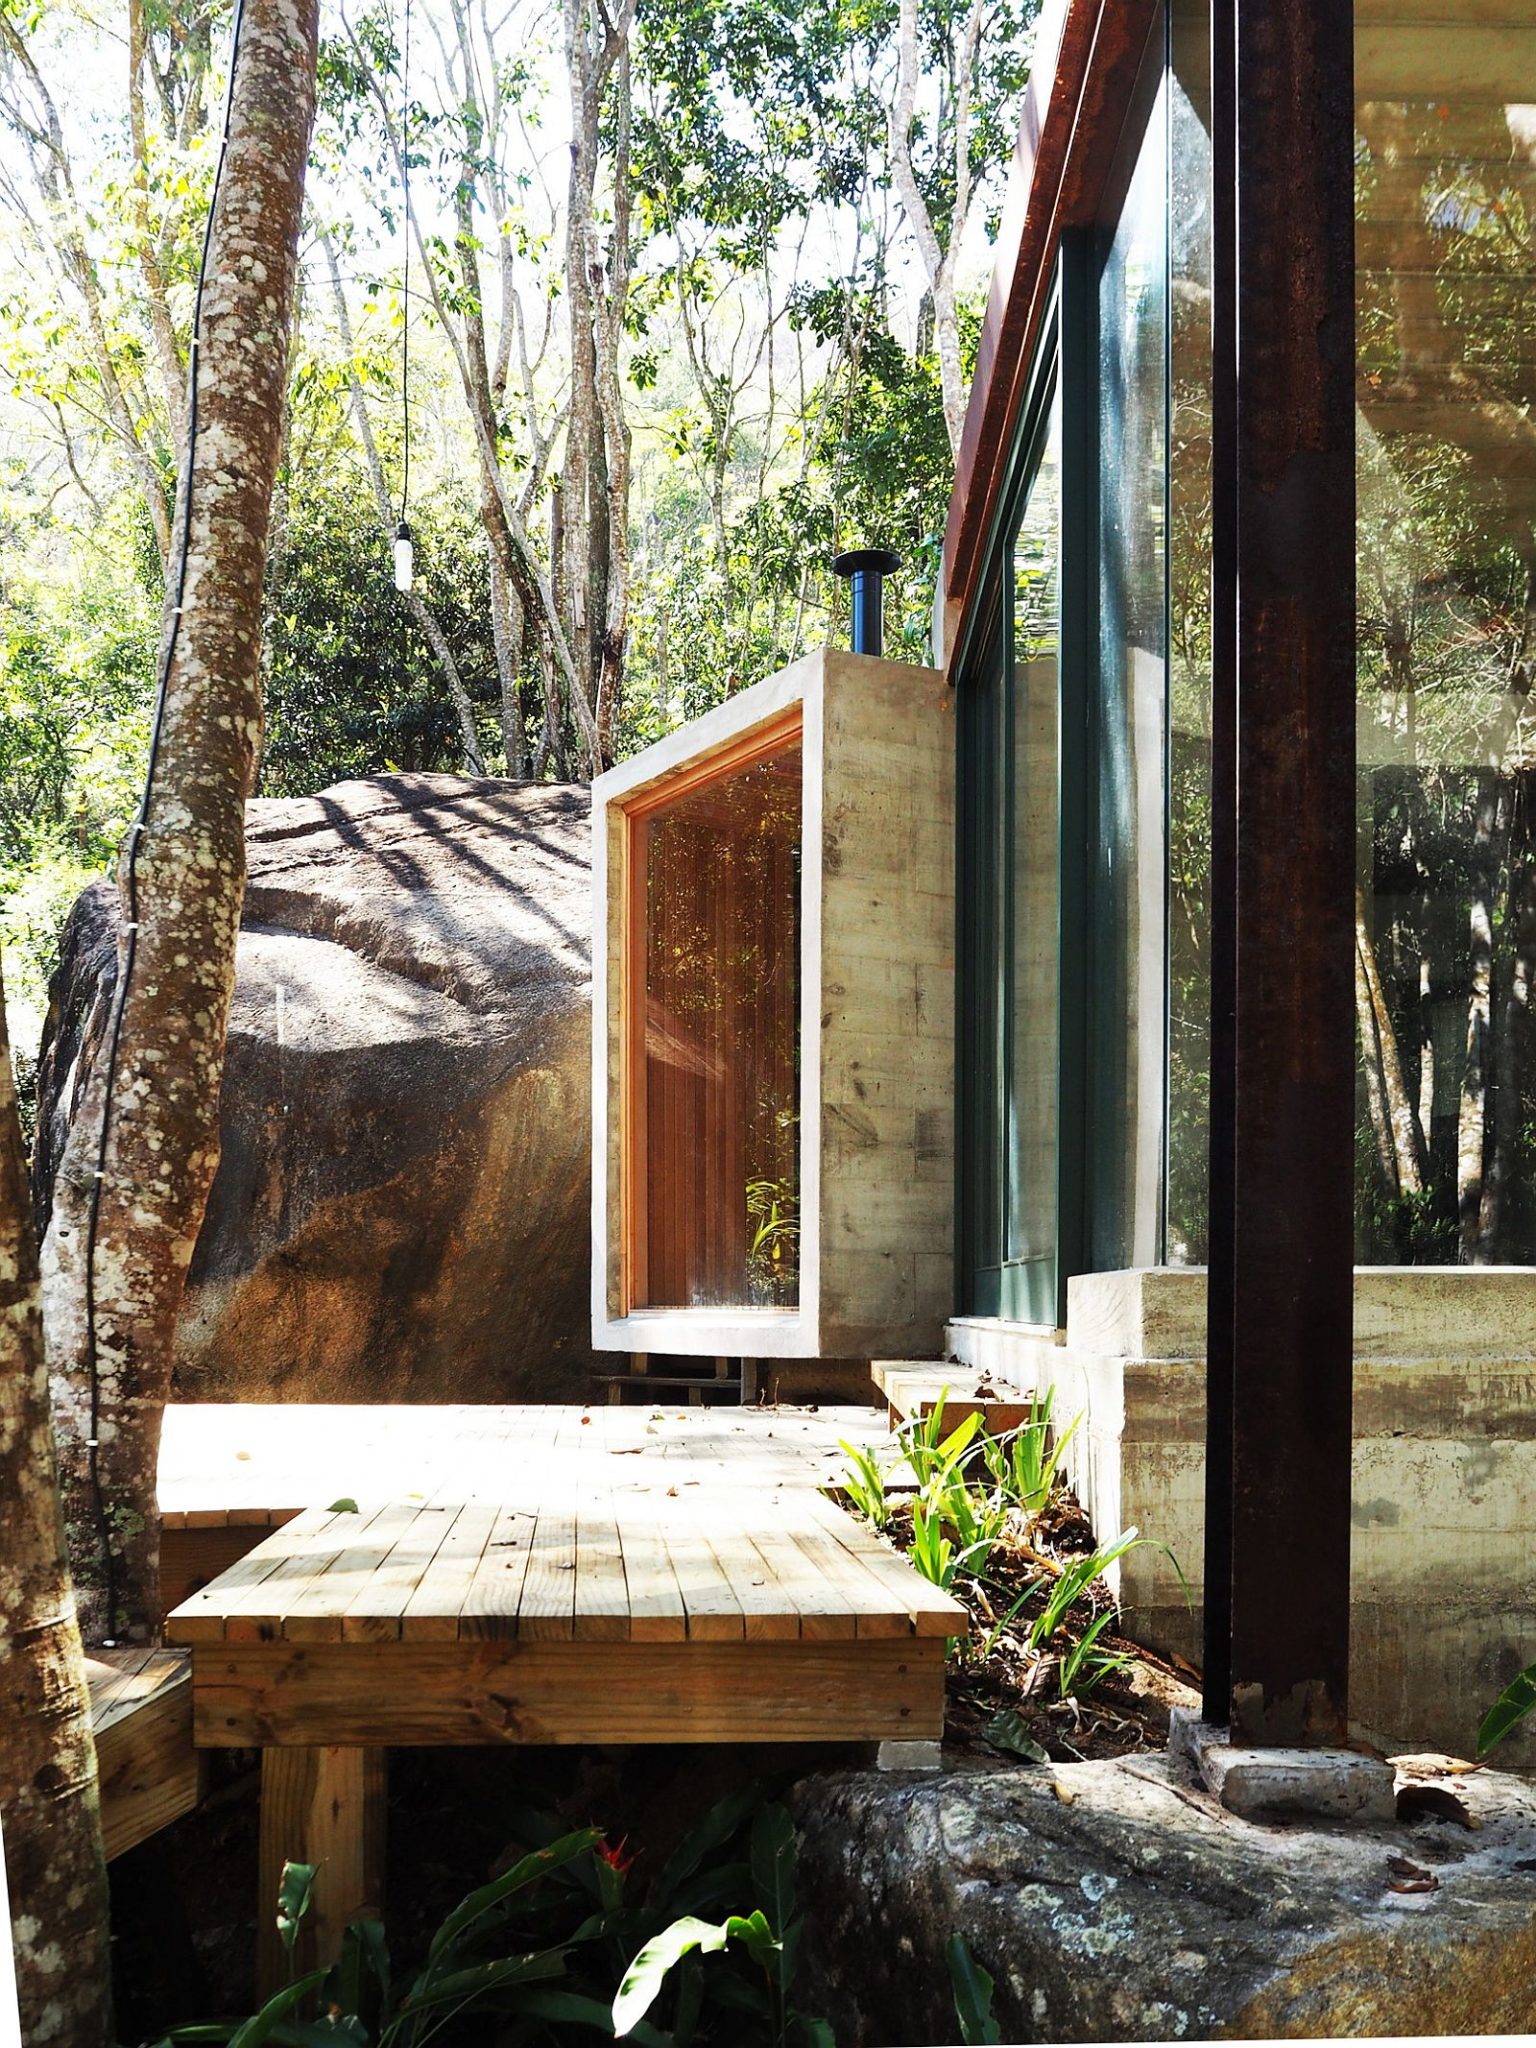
[{"x": 1025, "y": 1464}]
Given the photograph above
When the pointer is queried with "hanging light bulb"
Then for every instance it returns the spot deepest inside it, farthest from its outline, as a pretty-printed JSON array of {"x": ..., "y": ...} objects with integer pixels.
[{"x": 405, "y": 558}]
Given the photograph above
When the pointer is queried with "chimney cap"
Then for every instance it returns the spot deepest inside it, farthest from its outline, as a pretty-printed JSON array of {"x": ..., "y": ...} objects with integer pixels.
[{"x": 854, "y": 559}]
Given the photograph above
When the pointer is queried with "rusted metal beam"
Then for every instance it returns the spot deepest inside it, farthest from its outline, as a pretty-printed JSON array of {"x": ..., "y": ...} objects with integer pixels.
[{"x": 1282, "y": 1079}]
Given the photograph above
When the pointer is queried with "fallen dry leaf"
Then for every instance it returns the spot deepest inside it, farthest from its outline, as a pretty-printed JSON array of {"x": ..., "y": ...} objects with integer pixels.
[
  {"x": 1062, "y": 1793},
  {"x": 1404, "y": 1876}
]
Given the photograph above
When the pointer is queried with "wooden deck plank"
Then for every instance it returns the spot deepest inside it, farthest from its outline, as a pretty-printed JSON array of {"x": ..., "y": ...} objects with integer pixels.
[
  {"x": 141, "y": 1717},
  {"x": 928, "y": 1609},
  {"x": 434, "y": 1694},
  {"x": 377, "y": 1610},
  {"x": 221, "y": 1609},
  {"x": 110, "y": 1677},
  {"x": 431, "y": 1614},
  {"x": 314, "y": 1604},
  {"x": 492, "y": 1603}
]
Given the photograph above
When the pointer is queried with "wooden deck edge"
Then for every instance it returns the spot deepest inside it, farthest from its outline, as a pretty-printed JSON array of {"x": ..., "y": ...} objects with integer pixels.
[
  {"x": 430, "y": 1694},
  {"x": 148, "y": 1770}
]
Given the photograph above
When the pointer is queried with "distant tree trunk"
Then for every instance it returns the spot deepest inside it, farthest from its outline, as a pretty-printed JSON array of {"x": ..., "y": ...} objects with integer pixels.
[
  {"x": 186, "y": 866},
  {"x": 938, "y": 260},
  {"x": 1398, "y": 1142},
  {"x": 57, "y": 1875},
  {"x": 1490, "y": 836},
  {"x": 420, "y": 612}
]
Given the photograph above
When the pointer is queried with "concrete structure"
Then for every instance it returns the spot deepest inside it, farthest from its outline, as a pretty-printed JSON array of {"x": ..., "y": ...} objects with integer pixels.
[
  {"x": 1444, "y": 1475},
  {"x": 877, "y": 1027}
]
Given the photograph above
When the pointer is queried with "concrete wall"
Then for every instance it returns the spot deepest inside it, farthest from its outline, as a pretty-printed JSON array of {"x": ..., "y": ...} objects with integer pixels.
[
  {"x": 1443, "y": 1573},
  {"x": 877, "y": 1018}
]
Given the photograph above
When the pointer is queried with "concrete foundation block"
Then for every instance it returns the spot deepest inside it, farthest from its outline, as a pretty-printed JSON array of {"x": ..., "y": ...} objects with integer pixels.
[{"x": 1263, "y": 1784}]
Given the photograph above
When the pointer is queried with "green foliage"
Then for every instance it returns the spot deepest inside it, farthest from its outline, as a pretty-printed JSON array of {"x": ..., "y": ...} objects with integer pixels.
[
  {"x": 973, "y": 1994},
  {"x": 1025, "y": 1464},
  {"x": 1508, "y": 1711},
  {"x": 352, "y": 687},
  {"x": 360, "y": 2000}
]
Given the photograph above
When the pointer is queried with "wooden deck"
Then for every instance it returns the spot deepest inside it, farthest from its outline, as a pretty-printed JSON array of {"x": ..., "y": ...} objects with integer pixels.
[
  {"x": 565, "y": 1575},
  {"x": 141, "y": 1717},
  {"x": 527, "y": 1575}
]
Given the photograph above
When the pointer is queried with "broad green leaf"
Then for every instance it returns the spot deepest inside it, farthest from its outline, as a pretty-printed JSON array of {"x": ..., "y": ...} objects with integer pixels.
[
  {"x": 261, "y": 2027},
  {"x": 294, "y": 1893},
  {"x": 527, "y": 1870},
  {"x": 481, "y": 1979},
  {"x": 1508, "y": 1710},
  {"x": 973, "y": 1994},
  {"x": 648, "y": 1972},
  {"x": 1006, "y": 1731},
  {"x": 716, "y": 1828}
]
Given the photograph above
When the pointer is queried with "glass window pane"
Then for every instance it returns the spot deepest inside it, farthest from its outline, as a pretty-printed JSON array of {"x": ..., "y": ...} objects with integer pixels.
[
  {"x": 716, "y": 1119},
  {"x": 1446, "y": 646},
  {"x": 1128, "y": 975},
  {"x": 1031, "y": 1095}
]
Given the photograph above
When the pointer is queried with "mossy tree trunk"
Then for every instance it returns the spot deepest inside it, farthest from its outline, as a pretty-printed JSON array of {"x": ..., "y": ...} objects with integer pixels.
[
  {"x": 56, "y": 1873},
  {"x": 125, "y": 1265}
]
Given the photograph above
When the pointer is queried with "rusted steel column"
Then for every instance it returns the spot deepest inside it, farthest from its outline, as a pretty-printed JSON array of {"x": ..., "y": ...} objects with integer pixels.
[{"x": 1282, "y": 1054}]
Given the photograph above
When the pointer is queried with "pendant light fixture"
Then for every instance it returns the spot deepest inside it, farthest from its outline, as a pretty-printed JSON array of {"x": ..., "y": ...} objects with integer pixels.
[{"x": 405, "y": 546}]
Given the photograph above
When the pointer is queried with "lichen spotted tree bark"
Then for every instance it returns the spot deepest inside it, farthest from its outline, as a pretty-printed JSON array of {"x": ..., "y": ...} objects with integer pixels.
[
  {"x": 163, "y": 1126},
  {"x": 56, "y": 1875}
]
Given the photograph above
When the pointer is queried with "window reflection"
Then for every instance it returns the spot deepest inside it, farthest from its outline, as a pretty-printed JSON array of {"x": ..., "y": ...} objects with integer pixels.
[
  {"x": 715, "y": 1101},
  {"x": 1446, "y": 905},
  {"x": 1031, "y": 1108}
]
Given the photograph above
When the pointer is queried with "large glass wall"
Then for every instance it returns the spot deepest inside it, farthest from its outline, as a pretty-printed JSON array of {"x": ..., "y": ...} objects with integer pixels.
[
  {"x": 1011, "y": 955},
  {"x": 712, "y": 1145},
  {"x": 1446, "y": 649},
  {"x": 1127, "y": 902}
]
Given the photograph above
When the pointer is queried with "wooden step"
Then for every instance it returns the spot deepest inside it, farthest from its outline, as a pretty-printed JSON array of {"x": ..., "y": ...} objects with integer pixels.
[
  {"x": 915, "y": 1387},
  {"x": 141, "y": 1716}
]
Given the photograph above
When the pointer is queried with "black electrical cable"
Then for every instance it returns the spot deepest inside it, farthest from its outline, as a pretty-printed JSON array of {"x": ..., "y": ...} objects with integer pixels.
[
  {"x": 405, "y": 287},
  {"x": 131, "y": 866}
]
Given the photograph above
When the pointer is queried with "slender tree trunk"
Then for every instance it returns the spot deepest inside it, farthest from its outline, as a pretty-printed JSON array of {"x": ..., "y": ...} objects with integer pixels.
[
  {"x": 56, "y": 1872},
  {"x": 1511, "y": 1043},
  {"x": 1489, "y": 836},
  {"x": 421, "y": 613},
  {"x": 123, "y": 1267},
  {"x": 1399, "y": 1144}
]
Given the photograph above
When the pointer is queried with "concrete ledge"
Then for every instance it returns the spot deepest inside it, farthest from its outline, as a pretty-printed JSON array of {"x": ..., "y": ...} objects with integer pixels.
[{"x": 1318, "y": 1784}]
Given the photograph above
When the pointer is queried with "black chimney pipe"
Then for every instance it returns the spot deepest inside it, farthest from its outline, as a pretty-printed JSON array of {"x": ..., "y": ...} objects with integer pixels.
[{"x": 867, "y": 569}]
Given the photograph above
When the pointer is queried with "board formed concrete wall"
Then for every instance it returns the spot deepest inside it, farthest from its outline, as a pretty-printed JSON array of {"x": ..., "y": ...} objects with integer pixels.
[{"x": 1443, "y": 1574}]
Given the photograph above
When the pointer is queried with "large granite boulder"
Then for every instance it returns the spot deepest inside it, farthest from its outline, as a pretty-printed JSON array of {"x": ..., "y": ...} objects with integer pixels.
[
  {"x": 1119, "y": 1902},
  {"x": 401, "y": 1207}
]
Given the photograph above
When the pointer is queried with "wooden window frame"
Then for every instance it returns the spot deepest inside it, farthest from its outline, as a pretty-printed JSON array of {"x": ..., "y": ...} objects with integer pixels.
[{"x": 747, "y": 750}]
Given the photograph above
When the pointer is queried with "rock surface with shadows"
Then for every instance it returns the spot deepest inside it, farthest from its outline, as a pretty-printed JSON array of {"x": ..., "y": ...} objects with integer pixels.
[
  {"x": 401, "y": 1207},
  {"x": 1117, "y": 1901}
]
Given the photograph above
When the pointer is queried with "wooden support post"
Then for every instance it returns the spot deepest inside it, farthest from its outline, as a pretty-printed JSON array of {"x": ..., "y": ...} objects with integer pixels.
[{"x": 327, "y": 1807}]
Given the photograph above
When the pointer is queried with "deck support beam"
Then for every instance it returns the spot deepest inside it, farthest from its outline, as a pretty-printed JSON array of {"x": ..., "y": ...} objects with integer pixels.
[
  {"x": 1282, "y": 871},
  {"x": 324, "y": 1806}
]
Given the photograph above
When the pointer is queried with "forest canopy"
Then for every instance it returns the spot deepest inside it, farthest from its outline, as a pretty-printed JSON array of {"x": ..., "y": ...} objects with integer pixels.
[{"x": 635, "y": 313}]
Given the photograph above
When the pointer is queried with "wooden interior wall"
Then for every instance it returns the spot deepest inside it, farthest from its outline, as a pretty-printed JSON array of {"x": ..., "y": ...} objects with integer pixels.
[{"x": 722, "y": 988}]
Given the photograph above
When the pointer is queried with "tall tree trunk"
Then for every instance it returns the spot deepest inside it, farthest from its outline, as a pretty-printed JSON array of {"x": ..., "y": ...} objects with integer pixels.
[
  {"x": 56, "y": 1872},
  {"x": 1399, "y": 1143},
  {"x": 114, "y": 1276}
]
